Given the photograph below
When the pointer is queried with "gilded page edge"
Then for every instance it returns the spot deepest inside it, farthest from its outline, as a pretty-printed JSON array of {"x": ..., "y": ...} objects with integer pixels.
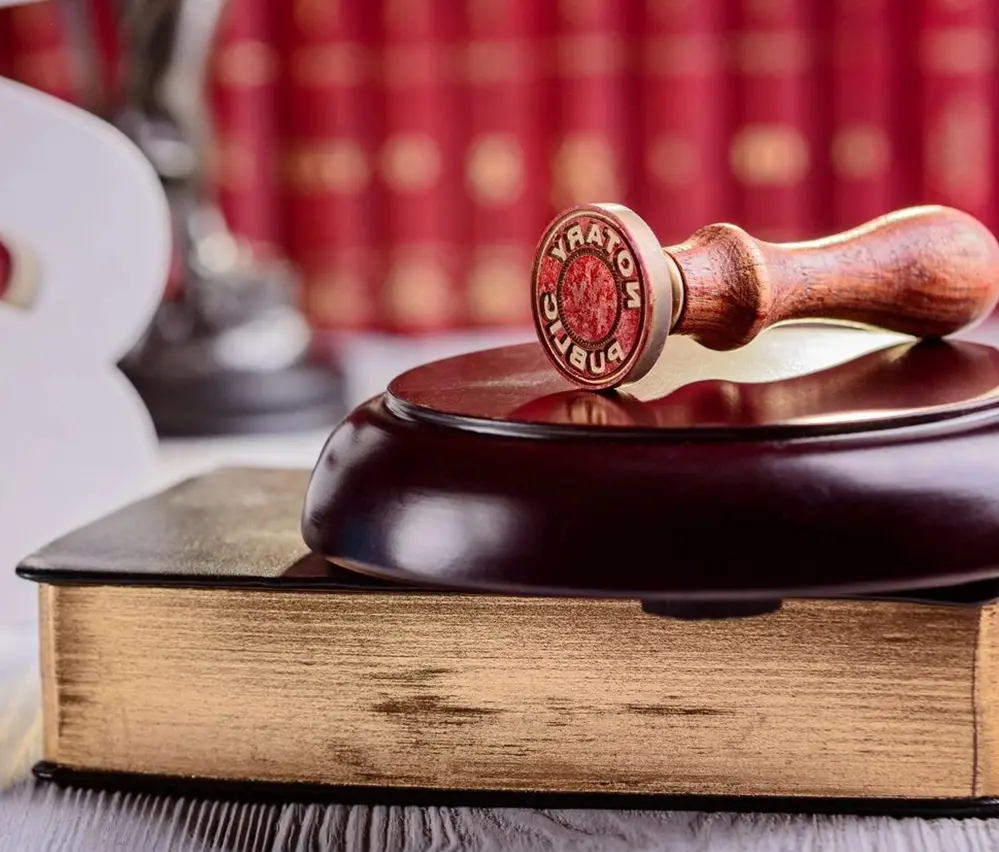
[
  {"x": 47, "y": 616},
  {"x": 985, "y": 685}
]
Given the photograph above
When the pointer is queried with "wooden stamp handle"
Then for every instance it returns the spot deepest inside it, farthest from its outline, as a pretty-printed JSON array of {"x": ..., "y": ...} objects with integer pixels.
[
  {"x": 924, "y": 271},
  {"x": 606, "y": 293}
]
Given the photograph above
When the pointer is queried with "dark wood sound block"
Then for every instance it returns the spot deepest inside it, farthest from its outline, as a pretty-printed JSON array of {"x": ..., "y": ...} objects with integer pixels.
[{"x": 812, "y": 463}]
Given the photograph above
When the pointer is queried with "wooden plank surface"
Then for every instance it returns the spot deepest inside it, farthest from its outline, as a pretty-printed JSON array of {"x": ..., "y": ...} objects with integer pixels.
[{"x": 42, "y": 816}]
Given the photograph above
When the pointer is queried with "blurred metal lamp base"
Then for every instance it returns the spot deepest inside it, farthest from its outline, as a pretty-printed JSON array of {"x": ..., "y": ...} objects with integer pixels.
[
  {"x": 233, "y": 355},
  {"x": 295, "y": 400},
  {"x": 301, "y": 397}
]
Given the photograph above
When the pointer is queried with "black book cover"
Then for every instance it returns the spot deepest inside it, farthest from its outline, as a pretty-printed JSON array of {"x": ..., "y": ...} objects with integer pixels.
[{"x": 229, "y": 527}]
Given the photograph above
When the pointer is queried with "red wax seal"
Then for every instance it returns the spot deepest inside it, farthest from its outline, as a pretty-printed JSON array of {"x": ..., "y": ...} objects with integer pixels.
[{"x": 601, "y": 295}]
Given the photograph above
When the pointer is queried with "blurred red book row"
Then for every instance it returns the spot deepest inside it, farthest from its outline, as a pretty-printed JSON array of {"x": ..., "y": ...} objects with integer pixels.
[{"x": 407, "y": 154}]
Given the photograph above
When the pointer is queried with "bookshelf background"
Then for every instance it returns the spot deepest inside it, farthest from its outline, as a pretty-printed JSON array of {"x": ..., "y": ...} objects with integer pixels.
[{"x": 406, "y": 154}]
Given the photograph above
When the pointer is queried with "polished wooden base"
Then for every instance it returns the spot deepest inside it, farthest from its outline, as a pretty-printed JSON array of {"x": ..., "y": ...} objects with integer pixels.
[{"x": 862, "y": 466}]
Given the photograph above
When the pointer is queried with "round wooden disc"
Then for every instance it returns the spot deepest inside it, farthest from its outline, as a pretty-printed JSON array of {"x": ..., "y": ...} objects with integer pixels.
[
  {"x": 485, "y": 472},
  {"x": 514, "y": 390}
]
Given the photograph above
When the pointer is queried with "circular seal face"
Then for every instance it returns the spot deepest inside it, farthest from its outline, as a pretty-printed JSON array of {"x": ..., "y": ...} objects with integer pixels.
[{"x": 590, "y": 297}]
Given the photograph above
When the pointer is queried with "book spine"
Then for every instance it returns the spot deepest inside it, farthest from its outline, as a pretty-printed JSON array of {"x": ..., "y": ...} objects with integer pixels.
[
  {"x": 426, "y": 222},
  {"x": 6, "y": 46},
  {"x": 860, "y": 152},
  {"x": 505, "y": 158},
  {"x": 242, "y": 86},
  {"x": 594, "y": 136},
  {"x": 771, "y": 152},
  {"x": 683, "y": 110},
  {"x": 330, "y": 123},
  {"x": 906, "y": 108},
  {"x": 105, "y": 39},
  {"x": 956, "y": 63},
  {"x": 40, "y": 56}
]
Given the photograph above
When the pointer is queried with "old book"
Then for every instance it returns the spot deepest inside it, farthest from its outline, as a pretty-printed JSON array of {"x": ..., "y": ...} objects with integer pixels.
[
  {"x": 192, "y": 635},
  {"x": 684, "y": 182},
  {"x": 331, "y": 117},
  {"x": 425, "y": 214},
  {"x": 594, "y": 103},
  {"x": 510, "y": 101},
  {"x": 772, "y": 150},
  {"x": 242, "y": 91},
  {"x": 955, "y": 53},
  {"x": 863, "y": 57},
  {"x": 38, "y": 54}
]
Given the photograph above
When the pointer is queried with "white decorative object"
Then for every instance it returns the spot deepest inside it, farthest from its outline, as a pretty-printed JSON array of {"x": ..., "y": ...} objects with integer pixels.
[{"x": 86, "y": 220}]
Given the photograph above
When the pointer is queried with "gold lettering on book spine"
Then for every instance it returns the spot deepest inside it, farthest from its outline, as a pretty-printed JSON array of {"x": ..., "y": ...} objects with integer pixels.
[
  {"x": 247, "y": 64},
  {"x": 402, "y": 16},
  {"x": 495, "y": 286},
  {"x": 776, "y": 53},
  {"x": 409, "y": 66},
  {"x": 338, "y": 166},
  {"x": 666, "y": 11},
  {"x": 333, "y": 64},
  {"x": 411, "y": 162},
  {"x": 491, "y": 62},
  {"x": 231, "y": 163},
  {"x": 584, "y": 168},
  {"x": 688, "y": 55},
  {"x": 769, "y": 155},
  {"x": 860, "y": 152},
  {"x": 486, "y": 15},
  {"x": 418, "y": 288},
  {"x": 495, "y": 170},
  {"x": 958, "y": 50},
  {"x": 959, "y": 150},
  {"x": 592, "y": 55},
  {"x": 579, "y": 12},
  {"x": 768, "y": 11},
  {"x": 337, "y": 297},
  {"x": 311, "y": 14},
  {"x": 673, "y": 160}
]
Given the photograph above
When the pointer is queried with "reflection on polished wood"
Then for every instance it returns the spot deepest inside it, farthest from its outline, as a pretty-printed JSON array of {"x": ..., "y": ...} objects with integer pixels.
[
  {"x": 912, "y": 379},
  {"x": 859, "y": 379}
]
